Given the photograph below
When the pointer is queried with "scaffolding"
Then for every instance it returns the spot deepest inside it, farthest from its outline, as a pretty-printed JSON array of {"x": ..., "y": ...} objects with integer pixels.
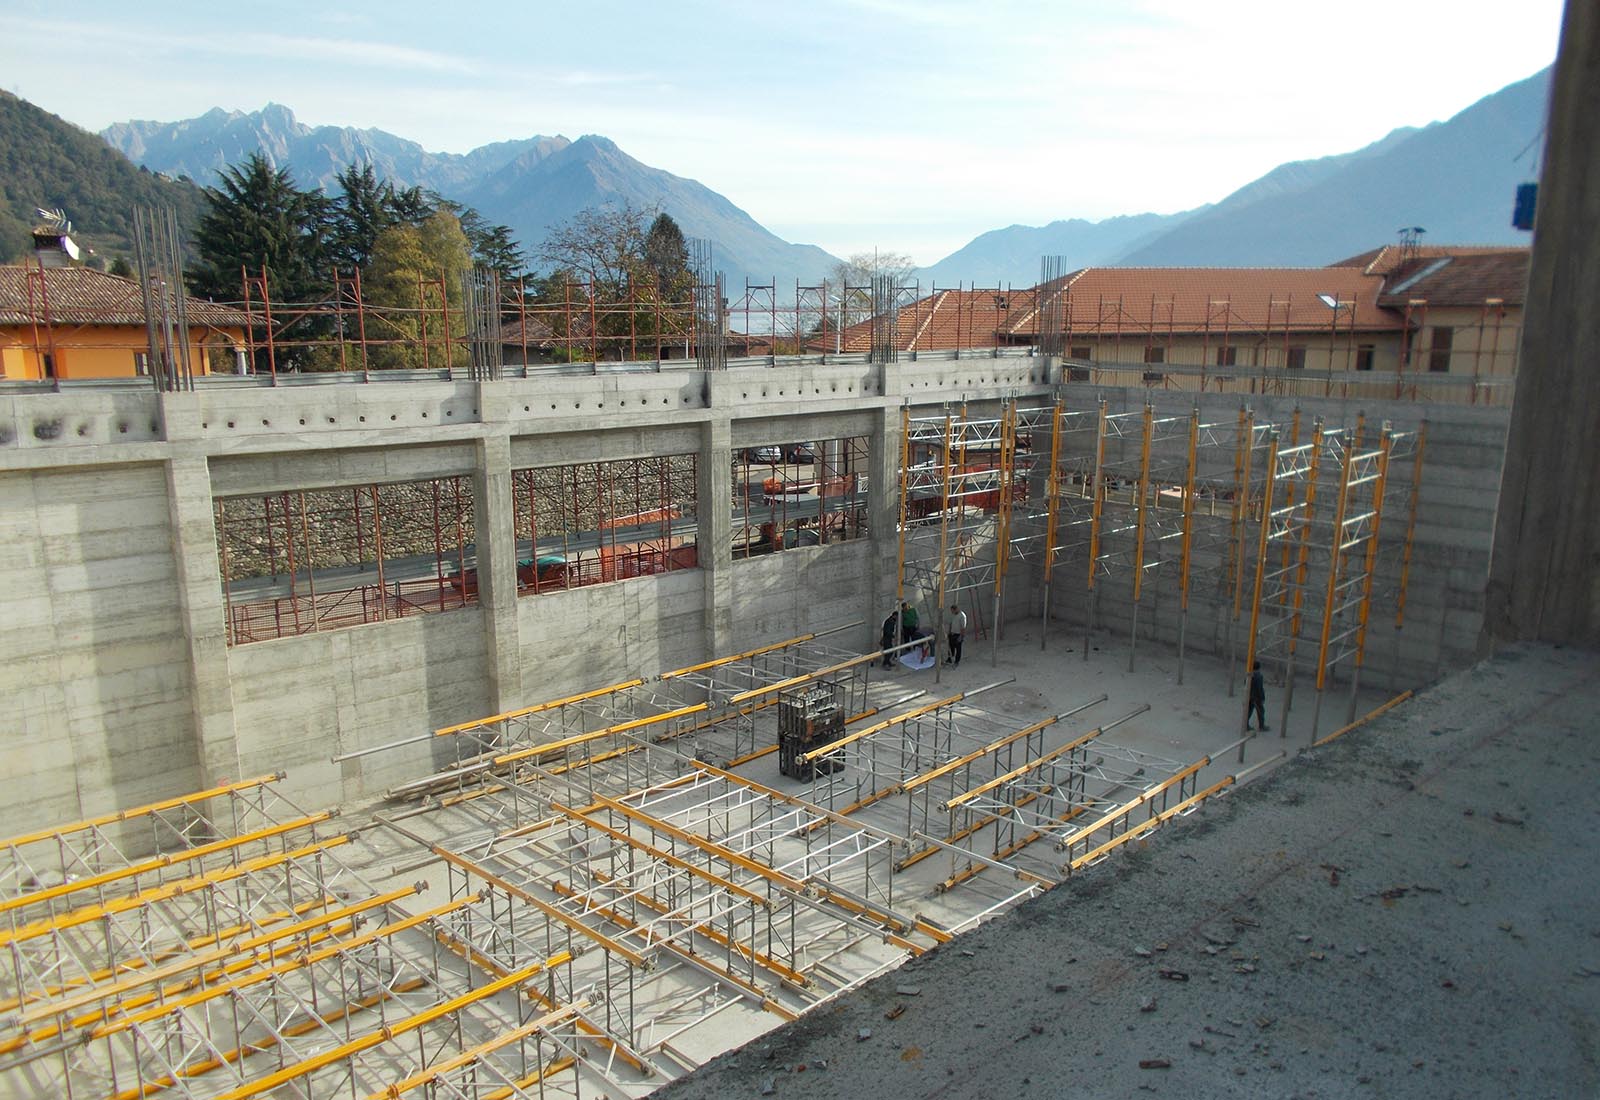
[
  {"x": 1282, "y": 539},
  {"x": 216, "y": 944},
  {"x": 966, "y": 482},
  {"x": 617, "y": 873}
]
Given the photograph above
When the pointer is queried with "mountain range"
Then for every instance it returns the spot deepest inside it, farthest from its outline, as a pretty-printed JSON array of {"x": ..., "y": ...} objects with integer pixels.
[
  {"x": 530, "y": 184},
  {"x": 1455, "y": 179}
]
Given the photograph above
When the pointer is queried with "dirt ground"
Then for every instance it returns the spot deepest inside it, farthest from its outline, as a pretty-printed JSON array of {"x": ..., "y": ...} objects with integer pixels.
[{"x": 1411, "y": 911}]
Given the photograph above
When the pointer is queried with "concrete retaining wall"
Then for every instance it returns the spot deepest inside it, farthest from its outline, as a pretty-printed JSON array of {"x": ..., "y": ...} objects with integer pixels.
[
  {"x": 96, "y": 709},
  {"x": 119, "y": 688},
  {"x": 1444, "y": 606}
]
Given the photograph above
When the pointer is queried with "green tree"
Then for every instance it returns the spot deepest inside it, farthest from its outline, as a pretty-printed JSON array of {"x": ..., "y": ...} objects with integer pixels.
[
  {"x": 601, "y": 245},
  {"x": 667, "y": 257},
  {"x": 498, "y": 248},
  {"x": 850, "y": 282},
  {"x": 402, "y": 281},
  {"x": 363, "y": 209},
  {"x": 257, "y": 218}
]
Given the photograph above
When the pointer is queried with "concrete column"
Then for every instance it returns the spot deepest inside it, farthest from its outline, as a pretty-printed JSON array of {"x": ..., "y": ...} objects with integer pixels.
[
  {"x": 495, "y": 534},
  {"x": 714, "y": 520},
  {"x": 200, "y": 603},
  {"x": 1544, "y": 565},
  {"x": 884, "y": 515}
]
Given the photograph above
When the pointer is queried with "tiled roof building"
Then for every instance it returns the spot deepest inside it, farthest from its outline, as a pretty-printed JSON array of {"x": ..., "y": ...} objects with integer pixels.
[{"x": 1376, "y": 311}]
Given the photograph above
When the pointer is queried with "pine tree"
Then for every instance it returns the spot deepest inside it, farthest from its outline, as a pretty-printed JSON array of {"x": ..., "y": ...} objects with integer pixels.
[{"x": 257, "y": 218}]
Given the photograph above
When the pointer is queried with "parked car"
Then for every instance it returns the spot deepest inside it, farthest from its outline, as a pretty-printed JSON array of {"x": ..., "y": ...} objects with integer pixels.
[
  {"x": 772, "y": 454},
  {"x": 801, "y": 452}
]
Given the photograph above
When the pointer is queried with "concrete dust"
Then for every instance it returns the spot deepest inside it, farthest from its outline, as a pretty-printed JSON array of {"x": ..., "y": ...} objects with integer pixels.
[{"x": 1408, "y": 912}]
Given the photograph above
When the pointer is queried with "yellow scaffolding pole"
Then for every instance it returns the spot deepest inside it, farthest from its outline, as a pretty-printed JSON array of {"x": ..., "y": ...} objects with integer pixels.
[
  {"x": 1187, "y": 545},
  {"x": 1052, "y": 515},
  {"x": 905, "y": 493},
  {"x": 1261, "y": 568},
  {"x": 88, "y": 914},
  {"x": 552, "y": 704},
  {"x": 140, "y": 811},
  {"x": 174, "y": 859}
]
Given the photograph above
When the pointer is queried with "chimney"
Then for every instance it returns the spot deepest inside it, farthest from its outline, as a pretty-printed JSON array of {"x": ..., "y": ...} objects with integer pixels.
[
  {"x": 52, "y": 240},
  {"x": 53, "y": 247}
]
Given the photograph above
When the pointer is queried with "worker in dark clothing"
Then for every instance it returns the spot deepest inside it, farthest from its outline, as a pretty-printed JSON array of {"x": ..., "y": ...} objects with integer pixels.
[
  {"x": 886, "y": 637},
  {"x": 1258, "y": 699}
]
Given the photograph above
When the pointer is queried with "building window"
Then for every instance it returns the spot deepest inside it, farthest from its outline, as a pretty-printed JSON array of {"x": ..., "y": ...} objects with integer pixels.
[
  {"x": 596, "y": 522},
  {"x": 1227, "y": 356},
  {"x": 1365, "y": 354},
  {"x": 814, "y": 495},
  {"x": 312, "y": 560},
  {"x": 1439, "y": 349},
  {"x": 1153, "y": 354},
  {"x": 1077, "y": 374},
  {"x": 1081, "y": 351},
  {"x": 1296, "y": 358},
  {"x": 141, "y": 364}
]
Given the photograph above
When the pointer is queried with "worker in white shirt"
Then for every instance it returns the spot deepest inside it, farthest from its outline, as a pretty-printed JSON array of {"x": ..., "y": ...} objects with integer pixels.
[{"x": 956, "y": 629}]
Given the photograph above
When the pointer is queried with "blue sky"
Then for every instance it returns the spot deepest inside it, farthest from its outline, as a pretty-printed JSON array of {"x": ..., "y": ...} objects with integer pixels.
[{"x": 908, "y": 125}]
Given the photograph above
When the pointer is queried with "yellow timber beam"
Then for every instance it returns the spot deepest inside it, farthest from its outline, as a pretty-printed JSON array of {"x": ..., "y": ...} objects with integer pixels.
[
  {"x": 90, "y": 913},
  {"x": 171, "y": 859},
  {"x": 140, "y": 811},
  {"x": 553, "y": 704}
]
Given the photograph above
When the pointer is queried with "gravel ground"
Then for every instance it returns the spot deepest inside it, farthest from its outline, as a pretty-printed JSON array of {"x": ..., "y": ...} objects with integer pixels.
[{"x": 1409, "y": 912}]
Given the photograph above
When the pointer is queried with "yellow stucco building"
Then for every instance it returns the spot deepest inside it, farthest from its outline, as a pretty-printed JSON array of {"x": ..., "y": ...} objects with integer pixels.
[{"x": 69, "y": 322}]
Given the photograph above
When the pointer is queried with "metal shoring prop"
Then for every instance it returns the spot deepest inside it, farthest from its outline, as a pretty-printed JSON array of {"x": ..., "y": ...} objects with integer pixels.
[{"x": 1261, "y": 562}]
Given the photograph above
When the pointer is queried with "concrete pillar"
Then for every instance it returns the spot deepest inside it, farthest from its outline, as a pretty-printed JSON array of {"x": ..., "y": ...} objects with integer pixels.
[
  {"x": 200, "y": 603},
  {"x": 1544, "y": 573},
  {"x": 884, "y": 515},
  {"x": 494, "y": 530},
  {"x": 714, "y": 520}
]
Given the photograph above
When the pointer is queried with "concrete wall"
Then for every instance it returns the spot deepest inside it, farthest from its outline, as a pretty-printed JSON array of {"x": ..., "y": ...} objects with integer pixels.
[
  {"x": 1445, "y": 588},
  {"x": 94, "y": 660},
  {"x": 114, "y": 660},
  {"x": 115, "y": 669},
  {"x": 1546, "y": 586}
]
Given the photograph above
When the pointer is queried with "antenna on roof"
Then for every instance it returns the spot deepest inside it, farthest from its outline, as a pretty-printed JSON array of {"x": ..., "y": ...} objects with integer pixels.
[
  {"x": 54, "y": 218},
  {"x": 1410, "y": 241}
]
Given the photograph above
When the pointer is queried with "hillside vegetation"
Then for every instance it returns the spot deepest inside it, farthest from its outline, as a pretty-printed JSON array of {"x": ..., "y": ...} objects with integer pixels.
[{"x": 48, "y": 162}]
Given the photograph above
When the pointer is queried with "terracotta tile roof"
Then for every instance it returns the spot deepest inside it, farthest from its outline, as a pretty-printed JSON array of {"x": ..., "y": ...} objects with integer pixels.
[
  {"x": 1391, "y": 257},
  {"x": 1195, "y": 299},
  {"x": 539, "y": 333},
  {"x": 1127, "y": 301},
  {"x": 83, "y": 296},
  {"x": 944, "y": 320},
  {"x": 1465, "y": 279}
]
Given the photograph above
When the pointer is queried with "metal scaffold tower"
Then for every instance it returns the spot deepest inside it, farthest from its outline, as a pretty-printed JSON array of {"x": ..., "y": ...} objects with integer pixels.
[
  {"x": 218, "y": 945},
  {"x": 1319, "y": 545},
  {"x": 1280, "y": 539},
  {"x": 966, "y": 481},
  {"x": 1157, "y": 499}
]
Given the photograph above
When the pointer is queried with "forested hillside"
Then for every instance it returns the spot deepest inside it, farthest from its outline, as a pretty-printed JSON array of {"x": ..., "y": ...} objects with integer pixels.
[{"x": 47, "y": 162}]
